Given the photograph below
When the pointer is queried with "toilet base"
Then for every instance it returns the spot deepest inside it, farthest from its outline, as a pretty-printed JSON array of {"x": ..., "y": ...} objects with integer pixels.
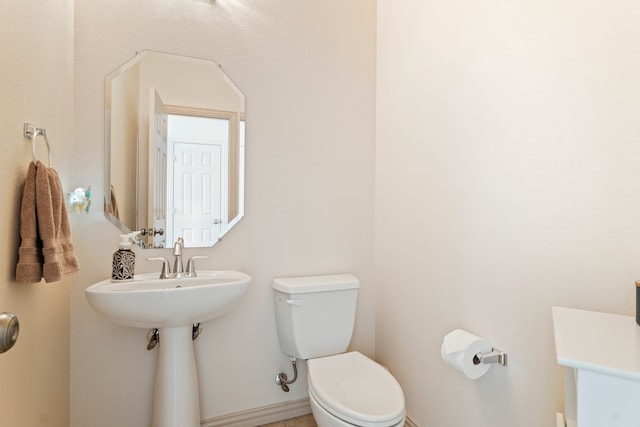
[{"x": 324, "y": 419}]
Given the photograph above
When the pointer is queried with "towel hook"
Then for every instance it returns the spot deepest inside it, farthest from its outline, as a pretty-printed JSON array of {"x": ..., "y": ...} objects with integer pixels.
[{"x": 32, "y": 132}]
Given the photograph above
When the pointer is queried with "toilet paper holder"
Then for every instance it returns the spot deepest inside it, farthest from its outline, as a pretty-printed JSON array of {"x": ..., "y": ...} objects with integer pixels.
[{"x": 494, "y": 356}]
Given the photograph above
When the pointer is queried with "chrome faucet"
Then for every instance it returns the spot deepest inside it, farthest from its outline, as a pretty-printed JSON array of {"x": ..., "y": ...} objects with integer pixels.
[
  {"x": 178, "y": 267},
  {"x": 178, "y": 271}
]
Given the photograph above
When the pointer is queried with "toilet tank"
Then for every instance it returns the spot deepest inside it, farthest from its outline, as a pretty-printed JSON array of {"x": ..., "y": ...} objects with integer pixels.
[{"x": 315, "y": 314}]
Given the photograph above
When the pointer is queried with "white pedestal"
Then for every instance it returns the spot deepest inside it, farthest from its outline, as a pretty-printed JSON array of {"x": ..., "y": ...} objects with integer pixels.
[{"x": 176, "y": 400}]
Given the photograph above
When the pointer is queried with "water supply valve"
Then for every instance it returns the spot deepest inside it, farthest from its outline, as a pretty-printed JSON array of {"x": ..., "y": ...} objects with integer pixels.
[{"x": 283, "y": 381}]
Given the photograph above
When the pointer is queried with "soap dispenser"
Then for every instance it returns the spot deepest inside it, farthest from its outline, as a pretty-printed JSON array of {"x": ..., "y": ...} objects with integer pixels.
[{"x": 124, "y": 260}]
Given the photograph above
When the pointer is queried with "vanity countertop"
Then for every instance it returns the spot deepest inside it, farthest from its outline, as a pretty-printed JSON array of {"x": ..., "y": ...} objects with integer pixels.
[{"x": 599, "y": 342}]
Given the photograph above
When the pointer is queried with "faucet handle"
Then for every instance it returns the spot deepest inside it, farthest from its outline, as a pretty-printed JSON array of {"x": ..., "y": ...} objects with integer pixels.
[
  {"x": 191, "y": 266},
  {"x": 166, "y": 268}
]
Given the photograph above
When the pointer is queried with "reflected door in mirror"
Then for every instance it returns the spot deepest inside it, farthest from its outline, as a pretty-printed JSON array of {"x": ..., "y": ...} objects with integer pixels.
[
  {"x": 197, "y": 193},
  {"x": 158, "y": 130}
]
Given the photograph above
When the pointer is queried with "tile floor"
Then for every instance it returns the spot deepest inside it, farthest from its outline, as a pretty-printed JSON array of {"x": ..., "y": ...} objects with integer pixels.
[{"x": 304, "y": 421}]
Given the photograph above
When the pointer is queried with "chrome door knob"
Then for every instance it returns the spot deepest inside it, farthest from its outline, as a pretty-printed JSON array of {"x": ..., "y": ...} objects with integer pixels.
[{"x": 9, "y": 331}]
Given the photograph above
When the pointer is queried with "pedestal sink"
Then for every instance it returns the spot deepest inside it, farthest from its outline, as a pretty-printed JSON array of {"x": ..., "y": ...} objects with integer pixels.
[{"x": 172, "y": 306}]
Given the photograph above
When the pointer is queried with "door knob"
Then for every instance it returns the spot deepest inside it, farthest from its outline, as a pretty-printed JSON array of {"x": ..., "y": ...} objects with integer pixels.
[{"x": 9, "y": 330}]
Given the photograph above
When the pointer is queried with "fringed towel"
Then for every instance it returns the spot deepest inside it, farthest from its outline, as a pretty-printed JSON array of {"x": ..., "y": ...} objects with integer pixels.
[
  {"x": 30, "y": 260},
  {"x": 53, "y": 233}
]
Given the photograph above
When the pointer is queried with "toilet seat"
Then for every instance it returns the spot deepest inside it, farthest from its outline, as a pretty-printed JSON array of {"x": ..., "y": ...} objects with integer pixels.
[{"x": 356, "y": 389}]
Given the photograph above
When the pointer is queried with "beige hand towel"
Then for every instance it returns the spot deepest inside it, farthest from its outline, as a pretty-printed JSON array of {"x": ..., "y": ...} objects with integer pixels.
[
  {"x": 30, "y": 260},
  {"x": 112, "y": 207},
  {"x": 53, "y": 225}
]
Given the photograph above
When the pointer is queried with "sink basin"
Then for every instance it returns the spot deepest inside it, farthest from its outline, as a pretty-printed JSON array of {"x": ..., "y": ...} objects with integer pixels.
[
  {"x": 172, "y": 306},
  {"x": 150, "y": 302}
]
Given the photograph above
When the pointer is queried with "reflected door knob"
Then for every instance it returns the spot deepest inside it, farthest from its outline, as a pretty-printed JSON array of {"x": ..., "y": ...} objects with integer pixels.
[{"x": 152, "y": 231}]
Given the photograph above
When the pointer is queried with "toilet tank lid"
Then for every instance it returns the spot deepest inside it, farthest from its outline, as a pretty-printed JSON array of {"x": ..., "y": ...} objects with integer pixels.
[{"x": 305, "y": 284}]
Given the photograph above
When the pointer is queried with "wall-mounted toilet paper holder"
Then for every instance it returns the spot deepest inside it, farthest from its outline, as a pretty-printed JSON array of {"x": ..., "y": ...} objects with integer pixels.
[{"x": 494, "y": 356}]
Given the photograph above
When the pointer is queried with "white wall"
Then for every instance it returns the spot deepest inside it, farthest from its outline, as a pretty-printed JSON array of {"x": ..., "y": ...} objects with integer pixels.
[
  {"x": 36, "y": 43},
  {"x": 507, "y": 181},
  {"x": 308, "y": 72}
]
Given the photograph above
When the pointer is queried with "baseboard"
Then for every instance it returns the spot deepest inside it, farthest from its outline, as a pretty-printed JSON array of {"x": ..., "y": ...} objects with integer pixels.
[
  {"x": 259, "y": 416},
  {"x": 268, "y": 414},
  {"x": 408, "y": 422}
]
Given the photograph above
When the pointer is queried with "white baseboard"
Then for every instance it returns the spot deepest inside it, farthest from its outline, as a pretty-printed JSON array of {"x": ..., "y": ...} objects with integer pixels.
[
  {"x": 268, "y": 414},
  {"x": 258, "y": 416},
  {"x": 408, "y": 422}
]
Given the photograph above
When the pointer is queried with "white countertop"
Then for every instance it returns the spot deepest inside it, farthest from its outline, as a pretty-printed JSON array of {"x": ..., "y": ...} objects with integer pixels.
[{"x": 600, "y": 342}]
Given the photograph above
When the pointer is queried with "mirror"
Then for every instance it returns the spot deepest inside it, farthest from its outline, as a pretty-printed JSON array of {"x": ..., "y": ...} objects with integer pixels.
[{"x": 174, "y": 141}]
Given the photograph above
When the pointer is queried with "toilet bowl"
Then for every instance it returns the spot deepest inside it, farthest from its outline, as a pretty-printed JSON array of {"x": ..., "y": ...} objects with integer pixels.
[
  {"x": 352, "y": 390},
  {"x": 315, "y": 316}
]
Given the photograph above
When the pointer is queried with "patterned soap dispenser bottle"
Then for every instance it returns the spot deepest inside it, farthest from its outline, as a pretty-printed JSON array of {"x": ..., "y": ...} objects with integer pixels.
[{"x": 124, "y": 260}]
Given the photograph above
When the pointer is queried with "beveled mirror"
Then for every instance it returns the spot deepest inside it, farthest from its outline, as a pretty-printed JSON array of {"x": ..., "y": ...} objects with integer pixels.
[{"x": 174, "y": 138}]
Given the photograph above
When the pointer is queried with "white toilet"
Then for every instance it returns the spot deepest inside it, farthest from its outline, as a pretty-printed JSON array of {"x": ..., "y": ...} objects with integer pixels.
[{"x": 315, "y": 317}]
